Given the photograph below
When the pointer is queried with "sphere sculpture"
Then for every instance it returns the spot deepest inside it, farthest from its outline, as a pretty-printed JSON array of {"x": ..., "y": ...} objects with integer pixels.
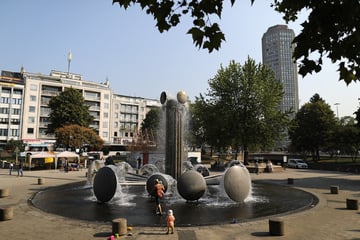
[
  {"x": 181, "y": 97},
  {"x": 105, "y": 184},
  {"x": 150, "y": 182},
  {"x": 191, "y": 185},
  {"x": 237, "y": 183}
]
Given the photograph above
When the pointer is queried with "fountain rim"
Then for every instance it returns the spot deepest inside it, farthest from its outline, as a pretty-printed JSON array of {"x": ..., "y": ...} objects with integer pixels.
[{"x": 314, "y": 203}]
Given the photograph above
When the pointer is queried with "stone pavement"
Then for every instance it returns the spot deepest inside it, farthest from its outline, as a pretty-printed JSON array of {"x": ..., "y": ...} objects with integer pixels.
[{"x": 327, "y": 220}]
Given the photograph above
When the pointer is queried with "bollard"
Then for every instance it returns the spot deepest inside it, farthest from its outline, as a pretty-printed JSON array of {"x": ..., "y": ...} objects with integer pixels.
[
  {"x": 4, "y": 192},
  {"x": 290, "y": 181},
  {"x": 119, "y": 226},
  {"x": 276, "y": 227},
  {"x": 352, "y": 204},
  {"x": 40, "y": 181},
  {"x": 334, "y": 189},
  {"x": 6, "y": 213}
]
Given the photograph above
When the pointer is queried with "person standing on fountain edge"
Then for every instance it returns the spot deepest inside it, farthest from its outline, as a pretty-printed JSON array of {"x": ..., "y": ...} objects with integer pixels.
[
  {"x": 170, "y": 222},
  {"x": 159, "y": 193}
]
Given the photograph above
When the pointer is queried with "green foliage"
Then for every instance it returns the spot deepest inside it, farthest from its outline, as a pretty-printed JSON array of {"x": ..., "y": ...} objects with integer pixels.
[
  {"x": 337, "y": 39},
  {"x": 150, "y": 124},
  {"x": 313, "y": 127},
  {"x": 12, "y": 144},
  {"x": 76, "y": 136},
  {"x": 242, "y": 107},
  {"x": 168, "y": 13},
  {"x": 68, "y": 108}
]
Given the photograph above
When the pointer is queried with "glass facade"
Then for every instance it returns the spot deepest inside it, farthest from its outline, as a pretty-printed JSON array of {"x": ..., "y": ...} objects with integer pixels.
[{"x": 277, "y": 50}]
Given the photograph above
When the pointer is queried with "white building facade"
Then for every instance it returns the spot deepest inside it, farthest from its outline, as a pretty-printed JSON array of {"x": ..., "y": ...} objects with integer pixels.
[
  {"x": 11, "y": 105},
  {"x": 24, "y": 111}
]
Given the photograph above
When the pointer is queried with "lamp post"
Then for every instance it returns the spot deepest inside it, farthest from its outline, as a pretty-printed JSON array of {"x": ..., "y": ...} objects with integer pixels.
[{"x": 337, "y": 109}]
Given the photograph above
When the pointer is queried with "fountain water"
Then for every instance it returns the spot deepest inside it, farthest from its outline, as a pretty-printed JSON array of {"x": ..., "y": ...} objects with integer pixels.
[{"x": 212, "y": 199}]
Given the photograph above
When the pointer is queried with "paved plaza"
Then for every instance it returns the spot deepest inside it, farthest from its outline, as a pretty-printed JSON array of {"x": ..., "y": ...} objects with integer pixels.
[{"x": 329, "y": 219}]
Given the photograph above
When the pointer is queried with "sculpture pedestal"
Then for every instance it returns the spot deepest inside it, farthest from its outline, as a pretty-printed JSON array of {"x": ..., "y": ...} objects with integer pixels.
[
  {"x": 6, "y": 213},
  {"x": 276, "y": 227},
  {"x": 4, "y": 192},
  {"x": 119, "y": 226}
]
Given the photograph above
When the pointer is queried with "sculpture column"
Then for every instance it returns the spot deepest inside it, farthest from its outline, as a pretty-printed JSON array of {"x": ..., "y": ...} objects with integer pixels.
[{"x": 174, "y": 140}]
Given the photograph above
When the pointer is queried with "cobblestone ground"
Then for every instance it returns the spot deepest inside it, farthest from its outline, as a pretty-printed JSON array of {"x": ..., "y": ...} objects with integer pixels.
[{"x": 328, "y": 220}]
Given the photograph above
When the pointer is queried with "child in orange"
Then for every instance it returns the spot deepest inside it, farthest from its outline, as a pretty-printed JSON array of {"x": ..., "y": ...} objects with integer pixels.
[{"x": 170, "y": 221}]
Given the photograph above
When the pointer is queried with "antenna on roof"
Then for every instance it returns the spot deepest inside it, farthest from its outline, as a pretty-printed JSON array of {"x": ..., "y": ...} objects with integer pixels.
[{"x": 69, "y": 58}]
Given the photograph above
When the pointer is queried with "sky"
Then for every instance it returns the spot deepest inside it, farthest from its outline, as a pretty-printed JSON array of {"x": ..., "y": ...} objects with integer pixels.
[{"x": 125, "y": 47}]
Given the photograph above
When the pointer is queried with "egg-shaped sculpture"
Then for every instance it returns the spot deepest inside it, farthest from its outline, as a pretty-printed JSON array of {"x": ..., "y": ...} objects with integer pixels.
[
  {"x": 181, "y": 97},
  {"x": 191, "y": 185},
  {"x": 105, "y": 184},
  {"x": 151, "y": 181},
  {"x": 237, "y": 183}
]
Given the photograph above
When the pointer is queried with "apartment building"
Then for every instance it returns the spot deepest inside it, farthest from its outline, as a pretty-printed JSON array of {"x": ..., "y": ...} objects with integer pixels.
[
  {"x": 128, "y": 114},
  {"x": 39, "y": 89},
  {"x": 11, "y": 104},
  {"x": 24, "y": 110}
]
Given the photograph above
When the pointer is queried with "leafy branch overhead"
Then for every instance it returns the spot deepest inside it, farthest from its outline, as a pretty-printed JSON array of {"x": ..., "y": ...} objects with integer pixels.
[
  {"x": 331, "y": 30},
  {"x": 167, "y": 14}
]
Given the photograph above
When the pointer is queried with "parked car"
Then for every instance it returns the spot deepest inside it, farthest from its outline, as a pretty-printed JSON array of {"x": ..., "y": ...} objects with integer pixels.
[{"x": 297, "y": 163}]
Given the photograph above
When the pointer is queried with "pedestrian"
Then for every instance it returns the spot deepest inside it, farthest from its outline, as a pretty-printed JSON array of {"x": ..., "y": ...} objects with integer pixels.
[
  {"x": 170, "y": 222},
  {"x": 158, "y": 191},
  {"x": 139, "y": 162},
  {"x": 11, "y": 168},
  {"x": 20, "y": 170},
  {"x": 257, "y": 167}
]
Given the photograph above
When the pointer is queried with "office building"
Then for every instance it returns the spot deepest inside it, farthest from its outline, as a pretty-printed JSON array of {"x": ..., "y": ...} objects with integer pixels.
[{"x": 277, "y": 51}]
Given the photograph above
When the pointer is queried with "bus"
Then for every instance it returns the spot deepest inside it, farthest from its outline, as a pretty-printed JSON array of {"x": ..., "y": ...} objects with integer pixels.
[{"x": 117, "y": 150}]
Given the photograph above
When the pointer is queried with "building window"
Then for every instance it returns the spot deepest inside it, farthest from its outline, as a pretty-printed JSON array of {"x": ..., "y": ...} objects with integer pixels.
[
  {"x": 106, "y": 105},
  {"x": 31, "y": 109},
  {"x": 30, "y": 130},
  {"x": 32, "y": 98},
  {"x": 6, "y": 90},
  {"x": 3, "y": 132},
  {"x": 15, "y": 121},
  {"x": 31, "y": 120},
  {"x": 18, "y": 91},
  {"x": 4, "y": 120},
  {"x": 33, "y": 87},
  {"x": 106, "y": 96},
  {"x": 15, "y": 111},
  {"x": 106, "y": 115},
  {"x": 105, "y": 134},
  {"x": 105, "y": 124},
  {"x": 14, "y": 132},
  {"x": 4, "y": 110}
]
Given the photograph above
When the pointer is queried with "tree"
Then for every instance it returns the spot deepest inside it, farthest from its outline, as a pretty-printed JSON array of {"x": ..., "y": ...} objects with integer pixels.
[
  {"x": 68, "y": 108},
  {"x": 337, "y": 40},
  {"x": 312, "y": 127},
  {"x": 75, "y": 136},
  {"x": 242, "y": 107},
  {"x": 12, "y": 144},
  {"x": 150, "y": 124}
]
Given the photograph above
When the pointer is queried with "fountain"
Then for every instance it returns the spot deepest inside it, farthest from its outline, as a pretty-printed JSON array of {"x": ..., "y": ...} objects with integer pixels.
[{"x": 195, "y": 199}]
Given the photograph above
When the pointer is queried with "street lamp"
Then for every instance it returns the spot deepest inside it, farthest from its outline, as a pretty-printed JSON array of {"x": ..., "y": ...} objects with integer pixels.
[{"x": 337, "y": 109}]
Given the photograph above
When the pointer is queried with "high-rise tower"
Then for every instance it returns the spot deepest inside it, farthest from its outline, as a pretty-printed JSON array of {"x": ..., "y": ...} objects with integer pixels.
[{"x": 277, "y": 51}]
